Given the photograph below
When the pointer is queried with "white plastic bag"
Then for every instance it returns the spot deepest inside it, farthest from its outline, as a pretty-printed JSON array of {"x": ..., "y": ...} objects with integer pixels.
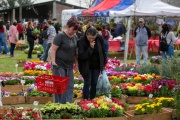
[{"x": 103, "y": 85}]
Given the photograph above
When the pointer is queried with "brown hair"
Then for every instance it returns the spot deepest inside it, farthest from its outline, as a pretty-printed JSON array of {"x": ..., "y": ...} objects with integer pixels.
[
  {"x": 49, "y": 22},
  {"x": 73, "y": 22}
]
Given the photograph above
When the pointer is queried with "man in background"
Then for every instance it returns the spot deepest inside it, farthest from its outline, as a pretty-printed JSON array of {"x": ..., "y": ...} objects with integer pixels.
[
  {"x": 142, "y": 34},
  {"x": 56, "y": 25}
]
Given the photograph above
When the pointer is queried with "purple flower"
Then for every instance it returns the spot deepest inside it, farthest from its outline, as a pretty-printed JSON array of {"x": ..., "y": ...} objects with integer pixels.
[{"x": 29, "y": 89}]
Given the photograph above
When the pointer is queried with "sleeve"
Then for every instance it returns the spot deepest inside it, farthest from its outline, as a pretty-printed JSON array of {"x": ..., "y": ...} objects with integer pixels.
[
  {"x": 173, "y": 38},
  {"x": 58, "y": 40},
  {"x": 149, "y": 32},
  {"x": 135, "y": 31},
  {"x": 104, "y": 49},
  {"x": 84, "y": 52}
]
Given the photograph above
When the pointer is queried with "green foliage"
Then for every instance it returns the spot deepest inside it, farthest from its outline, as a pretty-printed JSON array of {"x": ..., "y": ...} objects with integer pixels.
[
  {"x": 38, "y": 93},
  {"x": 149, "y": 69},
  {"x": 12, "y": 82}
]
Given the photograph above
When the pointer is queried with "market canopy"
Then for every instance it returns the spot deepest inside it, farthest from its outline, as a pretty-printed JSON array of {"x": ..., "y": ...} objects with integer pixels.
[
  {"x": 147, "y": 8},
  {"x": 120, "y": 6},
  {"x": 96, "y": 3},
  {"x": 104, "y": 5}
]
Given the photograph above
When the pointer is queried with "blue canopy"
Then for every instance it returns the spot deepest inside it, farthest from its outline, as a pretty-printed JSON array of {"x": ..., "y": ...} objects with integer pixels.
[{"x": 120, "y": 6}]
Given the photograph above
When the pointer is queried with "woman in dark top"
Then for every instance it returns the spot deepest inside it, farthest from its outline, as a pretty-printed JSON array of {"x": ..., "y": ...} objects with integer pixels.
[
  {"x": 91, "y": 60},
  {"x": 30, "y": 39}
]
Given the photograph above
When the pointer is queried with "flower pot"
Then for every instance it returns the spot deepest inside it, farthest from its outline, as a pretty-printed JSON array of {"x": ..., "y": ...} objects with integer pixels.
[
  {"x": 41, "y": 100},
  {"x": 164, "y": 115}
]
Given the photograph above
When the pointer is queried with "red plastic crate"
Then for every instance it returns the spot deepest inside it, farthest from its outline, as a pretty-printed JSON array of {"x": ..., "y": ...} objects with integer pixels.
[{"x": 52, "y": 84}]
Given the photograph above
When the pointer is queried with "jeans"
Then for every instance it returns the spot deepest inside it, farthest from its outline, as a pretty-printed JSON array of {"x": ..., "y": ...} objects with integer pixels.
[
  {"x": 68, "y": 95},
  {"x": 3, "y": 43},
  {"x": 44, "y": 47},
  {"x": 106, "y": 42},
  {"x": 45, "y": 56},
  {"x": 90, "y": 82},
  {"x": 169, "y": 53},
  {"x": 12, "y": 49},
  {"x": 139, "y": 50},
  {"x": 31, "y": 47}
]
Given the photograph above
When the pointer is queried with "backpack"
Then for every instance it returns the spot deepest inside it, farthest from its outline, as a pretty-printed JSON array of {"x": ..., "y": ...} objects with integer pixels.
[{"x": 163, "y": 46}]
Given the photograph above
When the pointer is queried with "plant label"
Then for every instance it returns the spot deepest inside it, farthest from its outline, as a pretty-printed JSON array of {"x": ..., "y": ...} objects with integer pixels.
[
  {"x": 35, "y": 103},
  {"x": 16, "y": 65},
  {"x": 23, "y": 82},
  {"x": 150, "y": 96}
]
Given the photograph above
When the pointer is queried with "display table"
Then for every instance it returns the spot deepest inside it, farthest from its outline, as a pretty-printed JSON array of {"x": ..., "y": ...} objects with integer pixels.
[
  {"x": 114, "y": 45},
  {"x": 153, "y": 45}
]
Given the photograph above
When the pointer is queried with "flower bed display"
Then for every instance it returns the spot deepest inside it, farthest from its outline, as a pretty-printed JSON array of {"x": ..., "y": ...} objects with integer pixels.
[{"x": 163, "y": 115}]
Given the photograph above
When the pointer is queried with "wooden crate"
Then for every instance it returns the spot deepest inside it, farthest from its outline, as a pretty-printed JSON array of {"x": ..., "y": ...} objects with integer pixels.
[
  {"x": 109, "y": 118},
  {"x": 14, "y": 88},
  {"x": 134, "y": 99},
  {"x": 13, "y": 100},
  {"x": 164, "y": 115},
  {"x": 41, "y": 100}
]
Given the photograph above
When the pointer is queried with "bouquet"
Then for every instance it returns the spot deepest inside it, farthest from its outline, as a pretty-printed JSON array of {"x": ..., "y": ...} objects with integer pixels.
[
  {"x": 36, "y": 32},
  {"x": 156, "y": 59}
]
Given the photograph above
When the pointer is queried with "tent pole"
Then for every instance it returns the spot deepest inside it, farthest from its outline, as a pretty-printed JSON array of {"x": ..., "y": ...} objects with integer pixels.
[{"x": 127, "y": 39}]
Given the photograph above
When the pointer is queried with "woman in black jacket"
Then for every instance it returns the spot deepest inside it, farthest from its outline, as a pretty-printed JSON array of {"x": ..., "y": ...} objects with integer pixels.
[
  {"x": 91, "y": 60},
  {"x": 30, "y": 39}
]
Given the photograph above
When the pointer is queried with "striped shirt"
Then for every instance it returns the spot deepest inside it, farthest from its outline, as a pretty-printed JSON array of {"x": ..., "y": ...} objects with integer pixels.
[{"x": 51, "y": 33}]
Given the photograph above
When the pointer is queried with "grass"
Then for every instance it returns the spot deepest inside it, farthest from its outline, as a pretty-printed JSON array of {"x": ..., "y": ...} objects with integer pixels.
[{"x": 7, "y": 63}]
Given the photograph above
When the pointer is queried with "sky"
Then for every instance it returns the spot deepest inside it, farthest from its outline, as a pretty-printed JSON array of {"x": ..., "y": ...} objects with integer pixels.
[{"x": 82, "y": 3}]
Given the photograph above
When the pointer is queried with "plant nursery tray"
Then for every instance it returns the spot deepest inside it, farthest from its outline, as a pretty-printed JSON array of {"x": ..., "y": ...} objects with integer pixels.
[
  {"x": 13, "y": 100},
  {"x": 41, "y": 100},
  {"x": 164, "y": 115}
]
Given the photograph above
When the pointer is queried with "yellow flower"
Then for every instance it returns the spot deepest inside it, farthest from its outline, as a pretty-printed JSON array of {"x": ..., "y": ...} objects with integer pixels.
[{"x": 143, "y": 110}]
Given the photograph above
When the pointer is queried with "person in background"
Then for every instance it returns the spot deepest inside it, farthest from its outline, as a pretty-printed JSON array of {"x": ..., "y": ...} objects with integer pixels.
[
  {"x": 120, "y": 30},
  {"x": 13, "y": 37},
  {"x": 44, "y": 37},
  {"x": 170, "y": 39},
  {"x": 142, "y": 34},
  {"x": 3, "y": 39},
  {"x": 91, "y": 60},
  {"x": 51, "y": 32},
  {"x": 80, "y": 31},
  {"x": 20, "y": 30},
  {"x": 30, "y": 39},
  {"x": 106, "y": 35},
  {"x": 7, "y": 25},
  {"x": 63, "y": 55},
  {"x": 57, "y": 26},
  {"x": 89, "y": 24}
]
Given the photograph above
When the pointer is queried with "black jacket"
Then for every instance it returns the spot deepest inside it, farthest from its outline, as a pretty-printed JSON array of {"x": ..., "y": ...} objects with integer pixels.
[{"x": 85, "y": 51}]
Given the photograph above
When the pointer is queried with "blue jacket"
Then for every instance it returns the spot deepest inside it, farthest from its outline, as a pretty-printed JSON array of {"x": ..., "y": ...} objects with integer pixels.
[{"x": 119, "y": 30}]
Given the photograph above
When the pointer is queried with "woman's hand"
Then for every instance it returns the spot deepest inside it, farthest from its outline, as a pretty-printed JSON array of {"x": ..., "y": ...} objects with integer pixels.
[{"x": 92, "y": 43}]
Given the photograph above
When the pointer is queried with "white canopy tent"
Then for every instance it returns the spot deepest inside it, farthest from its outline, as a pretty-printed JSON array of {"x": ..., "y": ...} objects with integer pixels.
[
  {"x": 148, "y": 8},
  {"x": 144, "y": 8}
]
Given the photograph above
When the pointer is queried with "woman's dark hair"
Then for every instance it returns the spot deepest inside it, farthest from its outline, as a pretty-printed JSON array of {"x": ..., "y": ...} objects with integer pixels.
[
  {"x": 14, "y": 23},
  {"x": 73, "y": 22},
  {"x": 165, "y": 28},
  {"x": 91, "y": 31}
]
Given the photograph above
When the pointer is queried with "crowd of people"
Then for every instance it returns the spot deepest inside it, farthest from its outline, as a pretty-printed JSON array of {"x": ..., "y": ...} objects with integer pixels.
[{"x": 83, "y": 45}]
